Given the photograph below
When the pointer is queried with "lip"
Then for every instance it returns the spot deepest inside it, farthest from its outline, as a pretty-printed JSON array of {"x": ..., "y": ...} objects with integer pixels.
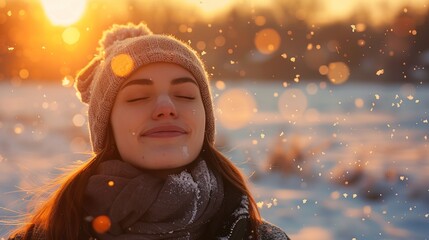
[{"x": 164, "y": 131}]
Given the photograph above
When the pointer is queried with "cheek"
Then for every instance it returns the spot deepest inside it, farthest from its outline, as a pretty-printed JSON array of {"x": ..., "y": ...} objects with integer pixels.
[
  {"x": 198, "y": 117},
  {"x": 199, "y": 120},
  {"x": 123, "y": 123}
]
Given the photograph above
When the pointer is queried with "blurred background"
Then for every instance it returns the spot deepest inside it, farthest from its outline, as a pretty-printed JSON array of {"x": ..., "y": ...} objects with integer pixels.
[
  {"x": 268, "y": 40},
  {"x": 323, "y": 104}
]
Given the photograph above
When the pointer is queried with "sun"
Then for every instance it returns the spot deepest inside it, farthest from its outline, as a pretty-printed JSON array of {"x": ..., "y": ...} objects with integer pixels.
[{"x": 64, "y": 12}]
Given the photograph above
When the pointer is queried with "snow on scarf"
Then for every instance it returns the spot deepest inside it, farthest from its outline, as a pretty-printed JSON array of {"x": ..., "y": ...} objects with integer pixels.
[{"x": 143, "y": 206}]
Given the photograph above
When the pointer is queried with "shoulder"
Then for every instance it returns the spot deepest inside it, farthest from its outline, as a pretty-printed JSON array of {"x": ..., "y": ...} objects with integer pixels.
[{"x": 268, "y": 231}]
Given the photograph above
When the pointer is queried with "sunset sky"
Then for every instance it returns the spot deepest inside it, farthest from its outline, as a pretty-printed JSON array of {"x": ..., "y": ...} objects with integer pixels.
[
  {"x": 63, "y": 34},
  {"x": 374, "y": 12}
]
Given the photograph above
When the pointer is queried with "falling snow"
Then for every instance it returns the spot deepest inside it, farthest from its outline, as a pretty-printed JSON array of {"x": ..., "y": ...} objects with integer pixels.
[{"x": 314, "y": 144}]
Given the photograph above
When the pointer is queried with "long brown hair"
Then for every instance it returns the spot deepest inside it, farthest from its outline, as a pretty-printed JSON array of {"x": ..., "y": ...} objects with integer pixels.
[{"x": 61, "y": 216}]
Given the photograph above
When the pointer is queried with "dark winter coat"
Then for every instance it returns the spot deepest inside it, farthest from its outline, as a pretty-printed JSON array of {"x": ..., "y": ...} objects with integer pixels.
[
  {"x": 267, "y": 231},
  {"x": 225, "y": 224}
]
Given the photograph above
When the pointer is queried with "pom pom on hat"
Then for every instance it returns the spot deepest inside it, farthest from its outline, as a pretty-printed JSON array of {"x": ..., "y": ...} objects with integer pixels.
[{"x": 121, "y": 32}]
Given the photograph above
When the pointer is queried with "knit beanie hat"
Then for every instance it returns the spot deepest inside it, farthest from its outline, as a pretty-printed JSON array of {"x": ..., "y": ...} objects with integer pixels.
[{"x": 122, "y": 50}]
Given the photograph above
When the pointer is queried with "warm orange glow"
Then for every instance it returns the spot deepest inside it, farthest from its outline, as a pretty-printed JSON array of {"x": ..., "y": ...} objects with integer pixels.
[
  {"x": 19, "y": 128},
  {"x": 122, "y": 65},
  {"x": 64, "y": 12},
  {"x": 323, "y": 70},
  {"x": 260, "y": 20},
  {"x": 220, "y": 41},
  {"x": 220, "y": 85},
  {"x": 338, "y": 72},
  {"x": 71, "y": 35},
  {"x": 292, "y": 104},
  {"x": 201, "y": 45},
  {"x": 24, "y": 73},
  {"x": 78, "y": 120},
  {"x": 211, "y": 7},
  {"x": 236, "y": 108},
  {"x": 267, "y": 41},
  {"x": 101, "y": 224},
  {"x": 359, "y": 102}
]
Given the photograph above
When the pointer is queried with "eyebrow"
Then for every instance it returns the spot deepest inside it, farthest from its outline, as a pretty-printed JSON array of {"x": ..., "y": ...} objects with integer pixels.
[
  {"x": 183, "y": 80},
  {"x": 144, "y": 81}
]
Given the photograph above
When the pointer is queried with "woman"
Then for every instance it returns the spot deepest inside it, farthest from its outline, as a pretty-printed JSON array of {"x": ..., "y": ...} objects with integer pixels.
[{"x": 155, "y": 173}]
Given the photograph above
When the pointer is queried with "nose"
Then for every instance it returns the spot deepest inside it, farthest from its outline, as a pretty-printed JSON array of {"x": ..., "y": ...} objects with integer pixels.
[{"x": 164, "y": 108}]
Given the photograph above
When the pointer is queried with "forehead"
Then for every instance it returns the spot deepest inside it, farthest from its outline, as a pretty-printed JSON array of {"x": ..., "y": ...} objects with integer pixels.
[
  {"x": 160, "y": 71},
  {"x": 160, "y": 76}
]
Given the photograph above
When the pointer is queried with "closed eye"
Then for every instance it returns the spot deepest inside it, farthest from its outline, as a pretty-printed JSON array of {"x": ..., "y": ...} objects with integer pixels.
[
  {"x": 137, "y": 99},
  {"x": 186, "y": 97}
]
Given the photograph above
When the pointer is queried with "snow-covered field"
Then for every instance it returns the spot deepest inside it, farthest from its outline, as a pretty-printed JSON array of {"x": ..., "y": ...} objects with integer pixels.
[{"x": 324, "y": 162}]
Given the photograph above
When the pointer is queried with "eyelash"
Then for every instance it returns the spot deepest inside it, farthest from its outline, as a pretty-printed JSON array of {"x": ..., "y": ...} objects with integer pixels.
[
  {"x": 186, "y": 97},
  {"x": 137, "y": 99},
  {"x": 144, "y": 98}
]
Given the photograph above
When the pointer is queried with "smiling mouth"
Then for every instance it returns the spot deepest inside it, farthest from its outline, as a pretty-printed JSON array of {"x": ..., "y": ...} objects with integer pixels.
[{"x": 164, "y": 132}]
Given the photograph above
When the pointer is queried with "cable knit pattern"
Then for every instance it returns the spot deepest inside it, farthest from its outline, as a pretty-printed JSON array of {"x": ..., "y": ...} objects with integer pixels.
[
  {"x": 85, "y": 76},
  {"x": 99, "y": 82}
]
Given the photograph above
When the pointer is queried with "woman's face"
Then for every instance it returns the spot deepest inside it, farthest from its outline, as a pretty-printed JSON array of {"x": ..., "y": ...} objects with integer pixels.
[{"x": 158, "y": 117}]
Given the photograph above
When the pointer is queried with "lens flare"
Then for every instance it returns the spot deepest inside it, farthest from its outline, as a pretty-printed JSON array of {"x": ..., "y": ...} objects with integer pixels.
[
  {"x": 338, "y": 72},
  {"x": 18, "y": 128},
  {"x": 24, "y": 73},
  {"x": 267, "y": 41},
  {"x": 71, "y": 35},
  {"x": 78, "y": 120},
  {"x": 122, "y": 65},
  {"x": 236, "y": 108},
  {"x": 292, "y": 104},
  {"x": 101, "y": 224}
]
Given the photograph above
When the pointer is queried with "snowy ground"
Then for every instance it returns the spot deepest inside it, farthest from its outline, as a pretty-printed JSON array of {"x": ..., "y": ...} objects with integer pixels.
[{"x": 324, "y": 162}]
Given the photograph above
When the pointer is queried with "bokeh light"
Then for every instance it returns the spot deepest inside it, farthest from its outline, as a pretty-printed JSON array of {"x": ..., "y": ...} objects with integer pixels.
[
  {"x": 71, "y": 35},
  {"x": 122, "y": 65},
  {"x": 220, "y": 41},
  {"x": 338, "y": 72},
  {"x": 267, "y": 41},
  {"x": 260, "y": 20},
  {"x": 359, "y": 103},
  {"x": 78, "y": 120},
  {"x": 101, "y": 224},
  {"x": 311, "y": 88},
  {"x": 220, "y": 85},
  {"x": 18, "y": 128},
  {"x": 24, "y": 73},
  {"x": 292, "y": 104},
  {"x": 323, "y": 70},
  {"x": 201, "y": 45},
  {"x": 235, "y": 108}
]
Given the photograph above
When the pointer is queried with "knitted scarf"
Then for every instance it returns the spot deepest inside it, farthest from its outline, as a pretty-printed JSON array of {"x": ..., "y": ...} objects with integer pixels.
[{"x": 143, "y": 206}]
